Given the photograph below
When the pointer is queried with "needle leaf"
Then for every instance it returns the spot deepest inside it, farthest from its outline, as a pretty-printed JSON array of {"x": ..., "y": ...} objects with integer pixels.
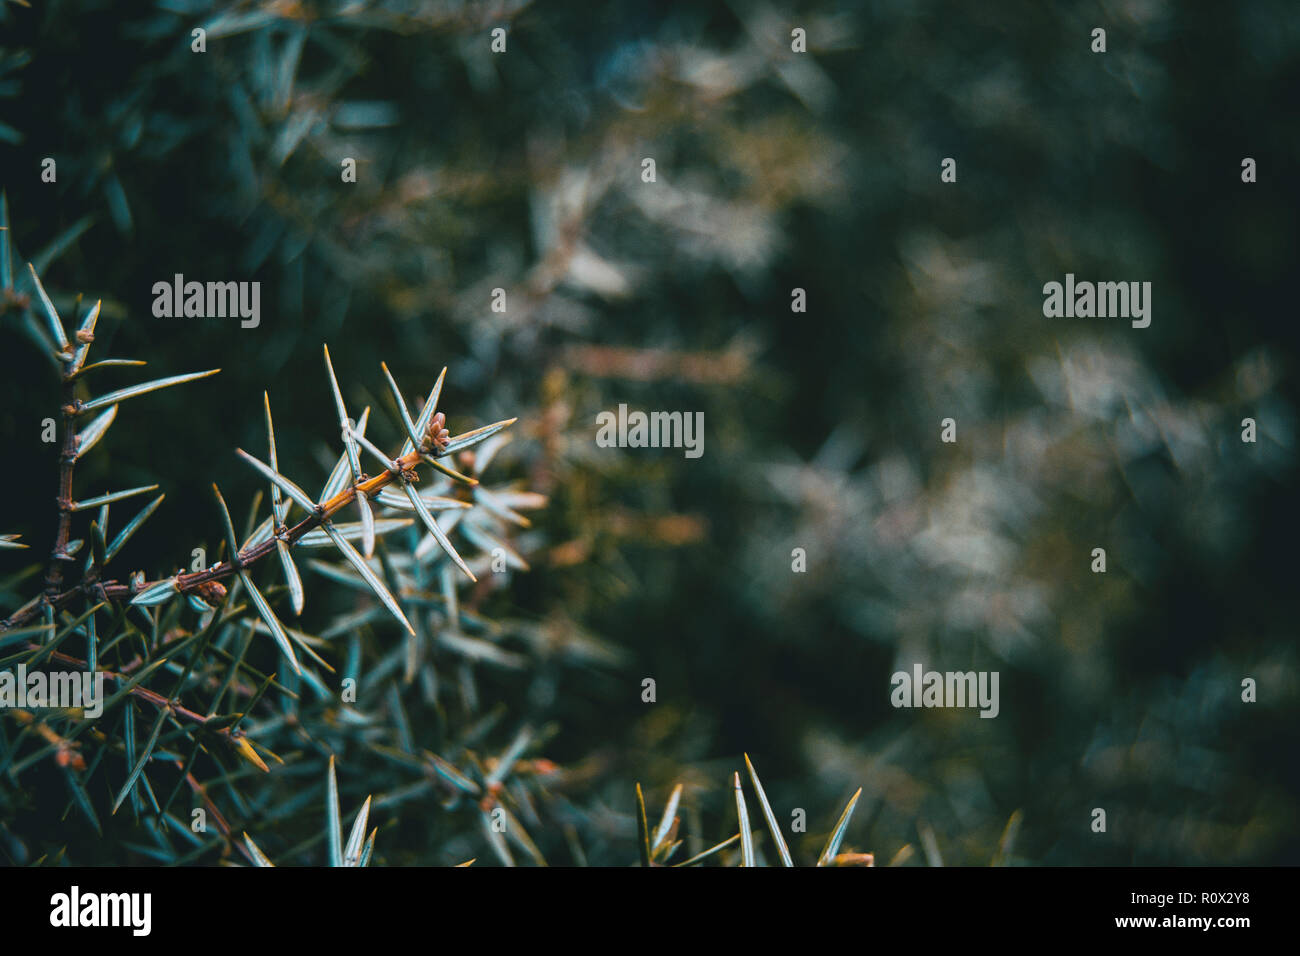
[
  {"x": 837, "y": 835},
  {"x": 746, "y": 836},
  {"x": 772, "y": 825},
  {"x": 371, "y": 579},
  {"x": 287, "y": 486},
  {"x": 418, "y": 503},
  {"x": 333, "y": 826},
  {"x": 122, "y": 394}
]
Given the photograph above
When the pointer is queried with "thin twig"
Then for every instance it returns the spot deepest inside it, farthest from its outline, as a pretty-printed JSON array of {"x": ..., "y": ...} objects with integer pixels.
[
  {"x": 67, "y": 459},
  {"x": 191, "y": 583},
  {"x": 145, "y": 694}
]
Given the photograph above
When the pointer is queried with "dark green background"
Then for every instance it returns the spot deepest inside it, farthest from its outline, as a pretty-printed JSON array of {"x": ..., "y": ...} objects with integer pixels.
[{"x": 1122, "y": 166}]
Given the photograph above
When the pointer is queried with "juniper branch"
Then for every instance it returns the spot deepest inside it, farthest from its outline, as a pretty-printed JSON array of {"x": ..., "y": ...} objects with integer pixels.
[
  {"x": 67, "y": 461},
  {"x": 143, "y": 693},
  {"x": 193, "y": 582}
]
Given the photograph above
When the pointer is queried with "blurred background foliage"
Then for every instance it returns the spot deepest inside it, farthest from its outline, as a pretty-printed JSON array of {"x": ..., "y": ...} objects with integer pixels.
[{"x": 775, "y": 171}]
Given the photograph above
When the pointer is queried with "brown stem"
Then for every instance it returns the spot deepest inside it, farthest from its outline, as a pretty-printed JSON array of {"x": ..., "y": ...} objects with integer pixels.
[
  {"x": 145, "y": 694},
  {"x": 67, "y": 459},
  {"x": 190, "y": 583}
]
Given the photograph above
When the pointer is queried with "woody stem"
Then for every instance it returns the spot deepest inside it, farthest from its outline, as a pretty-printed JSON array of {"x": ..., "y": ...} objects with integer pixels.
[
  {"x": 67, "y": 460},
  {"x": 189, "y": 583}
]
